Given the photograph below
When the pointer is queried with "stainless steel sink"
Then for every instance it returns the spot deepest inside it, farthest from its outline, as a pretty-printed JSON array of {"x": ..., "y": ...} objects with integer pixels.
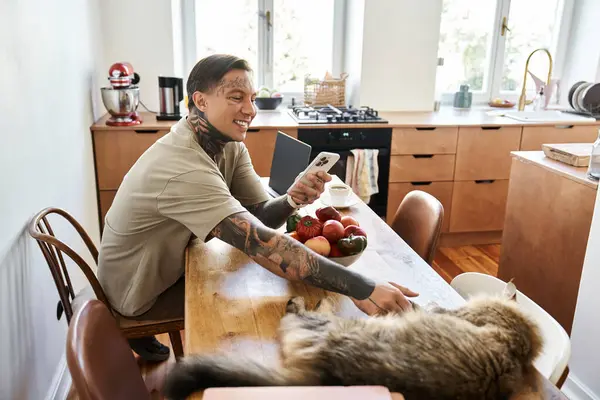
[{"x": 545, "y": 116}]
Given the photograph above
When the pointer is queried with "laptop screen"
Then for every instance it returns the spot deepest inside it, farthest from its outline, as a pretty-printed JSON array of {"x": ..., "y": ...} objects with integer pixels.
[{"x": 290, "y": 157}]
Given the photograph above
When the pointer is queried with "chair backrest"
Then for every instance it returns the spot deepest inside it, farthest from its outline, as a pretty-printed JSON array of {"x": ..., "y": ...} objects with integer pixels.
[
  {"x": 556, "y": 350},
  {"x": 99, "y": 358},
  {"x": 53, "y": 249},
  {"x": 418, "y": 221}
]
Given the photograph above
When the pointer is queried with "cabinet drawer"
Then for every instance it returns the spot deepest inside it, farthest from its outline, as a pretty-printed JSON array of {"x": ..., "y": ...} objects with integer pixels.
[
  {"x": 261, "y": 146},
  {"x": 429, "y": 140},
  {"x": 535, "y": 136},
  {"x": 484, "y": 153},
  {"x": 478, "y": 206},
  {"x": 106, "y": 200},
  {"x": 116, "y": 151},
  {"x": 419, "y": 168},
  {"x": 440, "y": 190}
]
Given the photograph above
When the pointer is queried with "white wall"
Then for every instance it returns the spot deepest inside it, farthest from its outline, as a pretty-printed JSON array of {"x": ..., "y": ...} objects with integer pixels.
[
  {"x": 584, "y": 376},
  {"x": 49, "y": 50},
  {"x": 582, "y": 59},
  {"x": 398, "y": 54},
  {"x": 353, "y": 49},
  {"x": 139, "y": 32}
]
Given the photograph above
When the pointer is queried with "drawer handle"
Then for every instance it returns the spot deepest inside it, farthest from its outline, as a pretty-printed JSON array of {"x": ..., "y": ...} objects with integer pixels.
[
  {"x": 421, "y": 183},
  {"x": 486, "y": 181},
  {"x": 423, "y": 155},
  {"x": 564, "y": 126},
  {"x": 490, "y": 128},
  {"x": 426, "y": 128},
  {"x": 253, "y": 130},
  {"x": 150, "y": 131}
]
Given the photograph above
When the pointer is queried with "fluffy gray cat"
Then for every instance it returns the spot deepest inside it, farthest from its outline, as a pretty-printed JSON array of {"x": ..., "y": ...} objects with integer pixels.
[{"x": 482, "y": 350}]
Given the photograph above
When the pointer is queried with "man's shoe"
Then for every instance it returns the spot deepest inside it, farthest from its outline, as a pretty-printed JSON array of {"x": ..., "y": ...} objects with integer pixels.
[{"x": 149, "y": 348}]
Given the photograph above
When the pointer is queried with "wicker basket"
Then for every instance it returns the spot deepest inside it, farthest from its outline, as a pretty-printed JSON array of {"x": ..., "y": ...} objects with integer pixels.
[{"x": 319, "y": 93}]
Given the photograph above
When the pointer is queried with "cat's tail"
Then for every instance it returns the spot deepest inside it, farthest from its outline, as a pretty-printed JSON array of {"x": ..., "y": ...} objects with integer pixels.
[{"x": 201, "y": 372}]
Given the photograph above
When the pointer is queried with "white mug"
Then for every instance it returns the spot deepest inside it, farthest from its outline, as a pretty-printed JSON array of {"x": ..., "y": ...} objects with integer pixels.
[{"x": 338, "y": 192}]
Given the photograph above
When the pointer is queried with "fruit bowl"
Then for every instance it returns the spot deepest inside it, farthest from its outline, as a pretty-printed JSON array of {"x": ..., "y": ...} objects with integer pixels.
[
  {"x": 329, "y": 234},
  {"x": 347, "y": 260},
  {"x": 268, "y": 103}
]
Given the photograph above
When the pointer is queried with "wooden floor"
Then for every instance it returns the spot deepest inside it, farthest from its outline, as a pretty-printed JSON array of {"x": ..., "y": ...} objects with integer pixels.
[{"x": 449, "y": 262}]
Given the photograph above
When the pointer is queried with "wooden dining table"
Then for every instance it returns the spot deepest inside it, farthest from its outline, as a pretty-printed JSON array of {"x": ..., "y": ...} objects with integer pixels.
[{"x": 233, "y": 304}]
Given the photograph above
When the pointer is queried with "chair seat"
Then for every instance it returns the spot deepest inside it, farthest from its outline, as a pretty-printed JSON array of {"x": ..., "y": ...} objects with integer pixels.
[{"x": 164, "y": 316}]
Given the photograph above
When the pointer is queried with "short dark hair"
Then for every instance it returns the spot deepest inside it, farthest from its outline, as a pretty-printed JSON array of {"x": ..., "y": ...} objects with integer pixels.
[{"x": 207, "y": 73}]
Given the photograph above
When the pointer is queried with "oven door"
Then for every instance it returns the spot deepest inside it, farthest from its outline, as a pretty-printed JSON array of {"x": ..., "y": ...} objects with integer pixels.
[{"x": 378, "y": 202}]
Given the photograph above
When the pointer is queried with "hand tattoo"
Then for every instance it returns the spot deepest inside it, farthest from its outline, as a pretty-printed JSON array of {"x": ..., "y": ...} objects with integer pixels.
[
  {"x": 297, "y": 262},
  {"x": 273, "y": 213}
]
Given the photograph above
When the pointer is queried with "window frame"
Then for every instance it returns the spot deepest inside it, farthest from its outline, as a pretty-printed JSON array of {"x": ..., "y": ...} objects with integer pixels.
[
  {"x": 495, "y": 66},
  {"x": 263, "y": 71}
]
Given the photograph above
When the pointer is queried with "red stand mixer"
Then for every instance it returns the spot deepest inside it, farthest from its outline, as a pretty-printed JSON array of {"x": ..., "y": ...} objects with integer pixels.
[{"x": 123, "y": 97}]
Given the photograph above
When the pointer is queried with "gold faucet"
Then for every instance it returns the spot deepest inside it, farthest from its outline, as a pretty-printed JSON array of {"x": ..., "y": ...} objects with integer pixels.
[{"x": 522, "y": 98}]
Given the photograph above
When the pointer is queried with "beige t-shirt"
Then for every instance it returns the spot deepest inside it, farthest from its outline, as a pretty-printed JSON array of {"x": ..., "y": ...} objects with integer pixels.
[{"x": 173, "y": 189}]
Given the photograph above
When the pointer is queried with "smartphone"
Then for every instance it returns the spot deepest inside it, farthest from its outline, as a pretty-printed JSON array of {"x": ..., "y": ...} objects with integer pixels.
[{"x": 323, "y": 162}]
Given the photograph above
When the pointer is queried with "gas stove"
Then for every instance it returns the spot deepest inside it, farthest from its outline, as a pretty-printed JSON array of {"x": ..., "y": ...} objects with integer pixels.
[{"x": 336, "y": 115}]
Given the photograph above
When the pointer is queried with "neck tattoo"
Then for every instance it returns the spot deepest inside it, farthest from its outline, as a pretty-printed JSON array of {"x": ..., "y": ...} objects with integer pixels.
[{"x": 210, "y": 138}]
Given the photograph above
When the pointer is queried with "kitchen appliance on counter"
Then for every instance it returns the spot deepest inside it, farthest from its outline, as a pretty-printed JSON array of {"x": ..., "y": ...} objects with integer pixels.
[
  {"x": 170, "y": 92},
  {"x": 122, "y": 98},
  {"x": 336, "y": 115},
  {"x": 342, "y": 141}
]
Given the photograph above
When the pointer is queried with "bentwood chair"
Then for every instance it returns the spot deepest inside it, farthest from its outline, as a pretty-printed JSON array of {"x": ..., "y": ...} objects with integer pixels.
[{"x": 166, "y": 316}]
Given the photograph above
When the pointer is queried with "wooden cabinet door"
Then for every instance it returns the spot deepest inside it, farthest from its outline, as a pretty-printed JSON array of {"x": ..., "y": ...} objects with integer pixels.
[
  {"x": 535, "y": 136},
  {"x": 116, "y": 151},
  {"x": 427, "y": 140},
  {"x": 106, "y": 199},
  {"x": 484, "y": 152},
  {"x": 440, "y": 190},
  {"x": 418, "y": 168},
  {"x": 478, "y": 206},
  {"x": 261, "y": 146}
]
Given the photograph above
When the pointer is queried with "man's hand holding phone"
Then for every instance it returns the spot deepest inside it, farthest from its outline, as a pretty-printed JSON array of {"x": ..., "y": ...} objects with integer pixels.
[{"x": 306, "y": 191}]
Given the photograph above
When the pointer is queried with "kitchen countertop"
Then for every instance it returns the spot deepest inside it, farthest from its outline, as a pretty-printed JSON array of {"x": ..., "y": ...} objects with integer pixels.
[
  {"x": 576, "y": 174},
  {"x": 444, "y": 118}
]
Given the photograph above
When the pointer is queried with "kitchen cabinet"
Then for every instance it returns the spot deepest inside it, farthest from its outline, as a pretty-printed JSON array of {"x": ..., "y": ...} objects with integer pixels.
[
  {"x": 261, "y": 146},
  {"x": 535, "y": 136},
  {"x": 484, "y": 152},
  {"x": 478, "y": 206},
  {"x": 105, "y": 199},
  {"x": 117, "y": 150},
  {"x": 424, "y": 140},
  {"x": 418, "y": 168},
  {"x": 440, "y": 190},
  {"x": 545, "y": 234}
]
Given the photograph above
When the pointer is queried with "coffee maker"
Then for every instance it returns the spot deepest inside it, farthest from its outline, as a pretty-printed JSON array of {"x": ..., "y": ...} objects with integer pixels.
[
  {"x": 122, "y": 98},
  {"x": 170, "y": 91}
]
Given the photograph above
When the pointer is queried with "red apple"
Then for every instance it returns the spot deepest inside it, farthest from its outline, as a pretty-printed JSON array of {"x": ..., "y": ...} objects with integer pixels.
[
  {"x": 319, "y": 245},
  {"x": 354, "y": 230},
  {"x": 335, "y": 251},
  {"x": 348, "y": 220},
  {"x": 333, "y": 230}
]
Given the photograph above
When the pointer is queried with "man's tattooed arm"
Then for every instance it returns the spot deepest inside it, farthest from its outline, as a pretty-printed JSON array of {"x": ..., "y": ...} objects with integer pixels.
[
  {"x": 287, "y": 257},
  {"x": 273, "y": 213}
]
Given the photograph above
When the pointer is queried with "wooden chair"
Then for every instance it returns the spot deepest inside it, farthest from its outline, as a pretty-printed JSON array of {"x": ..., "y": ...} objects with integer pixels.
[
  {"x": 99, "y": 359},
  {"x": 418, "y": 221},
  {"x": 166, "y": 316}
]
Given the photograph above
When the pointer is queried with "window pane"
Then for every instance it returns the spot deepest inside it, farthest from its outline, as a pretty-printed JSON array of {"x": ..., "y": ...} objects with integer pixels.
[
  {"x": 532, "y": 25},
  {"x": 228, "y": 26},
  {"x": 465, "y": 38},
  {"x": 303, "y": 42}
]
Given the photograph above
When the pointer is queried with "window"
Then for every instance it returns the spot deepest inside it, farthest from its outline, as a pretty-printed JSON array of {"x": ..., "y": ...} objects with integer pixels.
[
  {"x": 477, "y": 50},
  {"x": 283, "y": 40}
]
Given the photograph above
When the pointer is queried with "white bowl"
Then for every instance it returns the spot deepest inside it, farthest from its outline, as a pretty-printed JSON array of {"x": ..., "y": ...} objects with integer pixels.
[{"x": 347, "y": 260}]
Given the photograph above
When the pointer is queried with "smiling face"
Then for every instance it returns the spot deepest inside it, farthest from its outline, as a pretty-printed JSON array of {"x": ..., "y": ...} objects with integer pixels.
[{"x": 229, "y": 106}]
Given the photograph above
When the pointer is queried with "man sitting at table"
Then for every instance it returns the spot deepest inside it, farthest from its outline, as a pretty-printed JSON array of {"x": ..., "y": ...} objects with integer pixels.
[{"x": 198, "y": 179}]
